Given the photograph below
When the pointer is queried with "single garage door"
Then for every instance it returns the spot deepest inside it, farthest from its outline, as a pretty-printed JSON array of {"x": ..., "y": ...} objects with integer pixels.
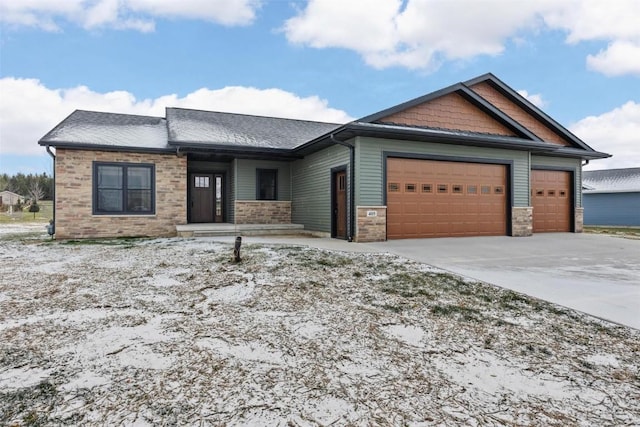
[
  {"x": 429, "y": 198},
  {"x": 551, "y": 200}
]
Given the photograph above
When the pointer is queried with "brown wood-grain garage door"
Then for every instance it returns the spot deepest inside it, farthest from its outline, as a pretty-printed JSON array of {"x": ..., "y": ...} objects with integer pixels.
[
  {"x": 432, "y": 198},
  {"x": 551, "y": 200}
]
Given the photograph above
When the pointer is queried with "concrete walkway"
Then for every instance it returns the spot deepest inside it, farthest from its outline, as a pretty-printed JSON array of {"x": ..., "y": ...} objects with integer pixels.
[{"x": 596, "y": 274}]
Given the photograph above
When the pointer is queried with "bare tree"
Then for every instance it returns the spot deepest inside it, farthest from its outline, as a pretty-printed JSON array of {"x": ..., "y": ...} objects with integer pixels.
[{"x": 36, "y": 192}]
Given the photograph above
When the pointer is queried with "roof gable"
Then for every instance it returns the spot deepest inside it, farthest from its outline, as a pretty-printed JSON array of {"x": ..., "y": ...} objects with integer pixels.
[
  {"x": 520, "y": 109},
  {"x": 450, "y": 111},
  {"x": 453, "y": 108}
]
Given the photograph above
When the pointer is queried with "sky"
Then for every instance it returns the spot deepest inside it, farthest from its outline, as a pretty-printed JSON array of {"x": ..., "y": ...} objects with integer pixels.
[{"x": 325, "y": 60}]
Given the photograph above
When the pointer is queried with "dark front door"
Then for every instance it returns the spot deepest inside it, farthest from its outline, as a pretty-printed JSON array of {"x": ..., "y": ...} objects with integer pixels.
[
  {"x": 207, "y": 201},
  {"x": 340, "y": 204}
]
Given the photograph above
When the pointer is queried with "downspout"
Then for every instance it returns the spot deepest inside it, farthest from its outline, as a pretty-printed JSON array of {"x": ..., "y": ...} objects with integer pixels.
[
  {"x": 352, "y": 184},
  {"x": 53, "y": 191}
]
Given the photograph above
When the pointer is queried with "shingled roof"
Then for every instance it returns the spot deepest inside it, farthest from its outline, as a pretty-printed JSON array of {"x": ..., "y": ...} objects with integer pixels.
[
  {"x": 92, "y": 129},
  {"x": 611, "y": 181},
  {"x": 196, "y": 128}
]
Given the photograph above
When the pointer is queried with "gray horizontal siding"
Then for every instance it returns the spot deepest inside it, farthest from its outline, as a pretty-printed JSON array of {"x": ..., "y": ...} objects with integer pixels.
[
  {"x": 311, "y": 201},
  {"x": 563, "y": 163},
  {"x": 612, "y": 209},
  {"x": 369, "y": 165},
  {"x": 245, "y": 178}
]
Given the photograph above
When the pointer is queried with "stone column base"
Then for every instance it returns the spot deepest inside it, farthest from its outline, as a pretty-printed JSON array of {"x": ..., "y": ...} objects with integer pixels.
[
  {"x": 522, "y": 221},
  {"x": 371, "y": 224},
  {"x": 578, "y": 224}
]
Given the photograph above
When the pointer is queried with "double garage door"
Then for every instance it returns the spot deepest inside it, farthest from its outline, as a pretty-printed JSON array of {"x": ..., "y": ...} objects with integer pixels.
[{"x": 432, "y": 198}]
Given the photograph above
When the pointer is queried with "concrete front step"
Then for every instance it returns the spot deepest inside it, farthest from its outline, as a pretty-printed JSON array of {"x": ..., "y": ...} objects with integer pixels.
[{"x": 212, "y": 230}]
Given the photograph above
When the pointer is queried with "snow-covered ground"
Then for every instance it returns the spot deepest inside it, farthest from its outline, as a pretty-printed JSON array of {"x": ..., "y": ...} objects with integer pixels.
[{"x": 170, "y": 331}]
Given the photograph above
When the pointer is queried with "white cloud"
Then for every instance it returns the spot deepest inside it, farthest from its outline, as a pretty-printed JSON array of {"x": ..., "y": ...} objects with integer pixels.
[
  {"x": 28, "y": 109},
  {"x": 124, "y": 14},
  {"x": 421, "y": 34},
  {"x": 619, "y": 58},
  {"x": 534, "y": 98},
  {"x": 615, "y": 132}
]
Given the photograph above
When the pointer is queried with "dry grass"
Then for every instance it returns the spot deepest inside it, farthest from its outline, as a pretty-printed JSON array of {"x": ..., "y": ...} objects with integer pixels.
[{"x": 171, "y": 332}]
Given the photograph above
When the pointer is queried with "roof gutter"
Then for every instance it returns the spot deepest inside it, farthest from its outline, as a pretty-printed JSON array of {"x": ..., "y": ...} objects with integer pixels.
[
  {"x": 352, "y": 179},
  {"x": 52, "y": 223}
]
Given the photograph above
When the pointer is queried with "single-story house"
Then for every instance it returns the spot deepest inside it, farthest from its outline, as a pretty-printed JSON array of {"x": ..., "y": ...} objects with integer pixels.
[
  {"x": 472, "y": 159},
  {"x": 611, "y": 197},
  {"x": 8, "y": 198}
]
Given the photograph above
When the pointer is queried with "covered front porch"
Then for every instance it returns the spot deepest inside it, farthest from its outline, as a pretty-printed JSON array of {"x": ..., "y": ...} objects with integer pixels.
[{"x": 228, "y": 229}]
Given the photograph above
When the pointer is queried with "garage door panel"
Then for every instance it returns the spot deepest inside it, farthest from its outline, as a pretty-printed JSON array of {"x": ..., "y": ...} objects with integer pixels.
[
  {"x": 453, "y": 198},
  {"x": 551, "y": 203}
]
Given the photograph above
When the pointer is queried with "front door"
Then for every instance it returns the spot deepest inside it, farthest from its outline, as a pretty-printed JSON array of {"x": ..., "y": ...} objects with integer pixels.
[
  {"x": 340, "y": 204},
  {"x": 207, "y": 197}
]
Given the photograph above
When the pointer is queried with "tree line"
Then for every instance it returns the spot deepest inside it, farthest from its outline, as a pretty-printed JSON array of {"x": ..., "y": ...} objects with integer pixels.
[{"x": 32, "y": 187}]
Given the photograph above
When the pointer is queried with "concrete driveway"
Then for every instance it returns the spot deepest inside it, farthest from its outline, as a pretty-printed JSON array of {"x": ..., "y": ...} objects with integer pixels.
[{"x": 596, "y": 274}]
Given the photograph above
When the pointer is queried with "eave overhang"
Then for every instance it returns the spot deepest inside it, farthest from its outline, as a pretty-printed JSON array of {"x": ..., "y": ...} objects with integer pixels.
[
  {"x": 103, "y": 147},
  {"x": 443, "y": 136},
  {"x": 233, "y": 151}
]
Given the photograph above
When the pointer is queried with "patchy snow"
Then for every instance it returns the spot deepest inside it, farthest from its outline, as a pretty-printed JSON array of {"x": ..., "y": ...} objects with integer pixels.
[
  {"x": 231, "y": 293},
  {"x": 604, "y": 360},
  {"x": 408, "y": 334},
  {"x": 86, "y": 380},
  {"x": 23, "y": 377},
  {"x": 171, "y": 332}
]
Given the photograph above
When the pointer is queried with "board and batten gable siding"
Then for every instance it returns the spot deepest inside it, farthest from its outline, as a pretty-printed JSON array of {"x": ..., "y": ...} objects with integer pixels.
[
  {"x": 311, "y": 194},
  {"x": 563, "y": 163},
  {"x": 216, "y": 167},
  {"x": 245, "y": 178},
  {"x": 619, "y": 209},
  {"x": 370, "y": 165}
]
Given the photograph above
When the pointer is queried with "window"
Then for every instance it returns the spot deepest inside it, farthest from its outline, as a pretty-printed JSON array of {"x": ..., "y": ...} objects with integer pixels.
[
  {"x": 410, "y": 188},
  {"x": 123, "y": 188},
  {"x": 201, "y": 182},
  {"x": 393, "y": 186},
  {"x": 426, "y": 188},
  {"x": 456, "y": 188},
  {"x": 472, "y": 189},
  {"x": 498, "y": 190},
  {"x": 267, "y": 184},
  {"x": 443, "y": 188}
]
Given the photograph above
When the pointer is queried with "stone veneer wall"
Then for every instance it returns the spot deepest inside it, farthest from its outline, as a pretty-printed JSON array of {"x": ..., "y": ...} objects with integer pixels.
[
  {"x": 579, "y": 220},
  {"x": 371, "y": 228},
  {"x": 74, "y": 196},
  {"x": 262, "y": 212},
  {"x": 521, "y": 221}
]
